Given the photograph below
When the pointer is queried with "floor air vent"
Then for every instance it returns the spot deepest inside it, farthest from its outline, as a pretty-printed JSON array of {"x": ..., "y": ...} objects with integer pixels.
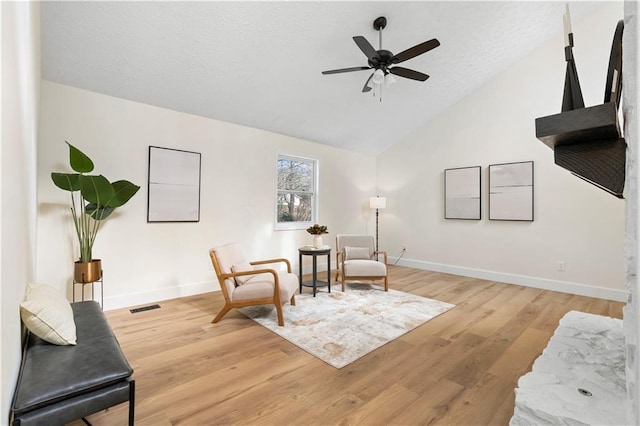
[{"x": 144, "y": 308}]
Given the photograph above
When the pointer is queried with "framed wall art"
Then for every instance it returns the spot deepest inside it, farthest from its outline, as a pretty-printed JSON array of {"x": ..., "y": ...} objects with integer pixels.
[
  {"x": 462, "y": 189},
  {"x": 174, "y": 185},
  {"x": 511, "y": 191}
]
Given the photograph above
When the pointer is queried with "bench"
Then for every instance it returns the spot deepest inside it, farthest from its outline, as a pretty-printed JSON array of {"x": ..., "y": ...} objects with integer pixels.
[{"x": 60, "y": 384}]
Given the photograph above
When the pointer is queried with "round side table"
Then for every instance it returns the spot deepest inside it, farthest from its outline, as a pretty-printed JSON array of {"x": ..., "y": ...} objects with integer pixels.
[{"x": 315, "y": 252}]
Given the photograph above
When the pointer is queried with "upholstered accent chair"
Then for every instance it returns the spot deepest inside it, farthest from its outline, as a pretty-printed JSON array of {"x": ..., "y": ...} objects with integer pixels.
[
  {"x": 249, "y": 283},
  {"x": 357, "y": 259}
]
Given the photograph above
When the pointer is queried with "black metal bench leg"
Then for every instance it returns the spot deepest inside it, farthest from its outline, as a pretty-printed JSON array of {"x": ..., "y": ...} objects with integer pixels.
[{"x": 132, "y": 401}]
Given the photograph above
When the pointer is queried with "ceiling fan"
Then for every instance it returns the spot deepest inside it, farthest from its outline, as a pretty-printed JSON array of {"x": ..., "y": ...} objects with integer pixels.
[{"x": 383, "y": 61}]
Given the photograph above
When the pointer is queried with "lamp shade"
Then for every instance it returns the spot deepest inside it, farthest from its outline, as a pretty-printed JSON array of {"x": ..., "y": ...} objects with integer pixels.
[
  {"x": 377, "y": 202},
  {"x": 378, "y": 76},
  {"x": 389, "y": 79}
]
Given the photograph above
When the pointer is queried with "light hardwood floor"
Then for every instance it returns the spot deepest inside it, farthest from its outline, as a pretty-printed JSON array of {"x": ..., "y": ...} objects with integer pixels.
[{"x": 460, "y": 368}]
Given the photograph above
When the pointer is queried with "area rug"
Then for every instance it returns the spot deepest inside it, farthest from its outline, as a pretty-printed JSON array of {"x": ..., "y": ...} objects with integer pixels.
[{"x": 340, "y": 327}]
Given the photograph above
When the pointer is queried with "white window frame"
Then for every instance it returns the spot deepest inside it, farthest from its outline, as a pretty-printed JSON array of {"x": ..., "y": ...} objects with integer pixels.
[{"x": 285, "y": 226}]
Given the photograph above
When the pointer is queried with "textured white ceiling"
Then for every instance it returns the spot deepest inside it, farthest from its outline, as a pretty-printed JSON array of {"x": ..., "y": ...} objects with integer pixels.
[{"x": 258, "y": 64}]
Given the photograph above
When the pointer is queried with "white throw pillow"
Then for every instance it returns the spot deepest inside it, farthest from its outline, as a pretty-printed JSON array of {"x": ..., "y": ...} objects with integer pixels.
[
  {"x": 352, "y": 253},
  {"x": 48, "y": 314},
  {"x": 242, "y": 267}
]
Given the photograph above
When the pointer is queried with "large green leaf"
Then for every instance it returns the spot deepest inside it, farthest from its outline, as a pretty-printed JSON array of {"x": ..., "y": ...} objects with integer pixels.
[
  {"x": 79, "y": 161},
  {"x": 124, "y": 190},
  {"x": 98, "y": 213},
  {"x": 66, "y": 181},
  {"x": 96, "y": 189}
]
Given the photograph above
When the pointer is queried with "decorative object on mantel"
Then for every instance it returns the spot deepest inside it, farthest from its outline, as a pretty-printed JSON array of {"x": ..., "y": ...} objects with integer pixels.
[
  {"x": 339, "y": 328},
  {"x": 317, "y": 231},
  {"x": 377, "y": 203},
  {"x": 462, "y": 193},
  {"x": 588, "y": 141},
  {"x": 381, "y": 60},
  {"x": 93, "y": 199},
  {"x": 572, "y": 98}
]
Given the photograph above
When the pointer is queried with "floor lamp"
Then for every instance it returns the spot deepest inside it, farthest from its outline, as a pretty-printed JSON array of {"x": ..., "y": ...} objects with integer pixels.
[{"x": 377, "y": 203}]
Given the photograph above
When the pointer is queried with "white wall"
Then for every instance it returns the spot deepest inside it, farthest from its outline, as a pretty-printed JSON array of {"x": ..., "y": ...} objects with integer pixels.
[
  {"x": 574, "y": 221},
  {"x": 145, "y": 262},
  {"x": 20, "y": 29}
]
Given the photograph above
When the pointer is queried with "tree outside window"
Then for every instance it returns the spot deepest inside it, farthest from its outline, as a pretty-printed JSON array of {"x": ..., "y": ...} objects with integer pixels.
[{"x": 296, "y": 197}]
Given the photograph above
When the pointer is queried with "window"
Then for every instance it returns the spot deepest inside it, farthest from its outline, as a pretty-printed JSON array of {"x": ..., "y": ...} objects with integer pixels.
[{"x": 296, "y": 193}]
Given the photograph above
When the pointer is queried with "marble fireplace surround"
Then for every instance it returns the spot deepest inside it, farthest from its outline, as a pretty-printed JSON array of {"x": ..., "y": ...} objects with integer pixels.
[
  {"x": 579, "y": 378},
  {"x": 631, "y": 313}
]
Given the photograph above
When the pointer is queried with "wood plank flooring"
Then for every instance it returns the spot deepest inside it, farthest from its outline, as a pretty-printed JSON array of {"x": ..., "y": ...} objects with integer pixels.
[{"x": 460, "y": 368}]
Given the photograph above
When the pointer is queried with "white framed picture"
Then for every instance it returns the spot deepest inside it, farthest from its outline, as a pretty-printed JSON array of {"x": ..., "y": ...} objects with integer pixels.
[
  {"x": 511, "y": 191},
  {"x": 174, "y": 185},
  {"x": 462, "y": 194}
]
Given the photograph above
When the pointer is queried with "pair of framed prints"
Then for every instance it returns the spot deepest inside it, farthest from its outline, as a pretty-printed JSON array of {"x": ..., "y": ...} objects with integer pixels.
[{"x": 510, "y": 192}]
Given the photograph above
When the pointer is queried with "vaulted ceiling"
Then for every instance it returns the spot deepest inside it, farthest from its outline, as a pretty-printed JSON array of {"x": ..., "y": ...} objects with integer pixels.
[{"x": 259, "y": 64}]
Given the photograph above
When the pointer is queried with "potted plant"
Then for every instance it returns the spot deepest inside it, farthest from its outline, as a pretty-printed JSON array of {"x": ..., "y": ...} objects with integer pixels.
[
  {"x": 93, "y": 199},
  {"x": 317, "y": 231}
]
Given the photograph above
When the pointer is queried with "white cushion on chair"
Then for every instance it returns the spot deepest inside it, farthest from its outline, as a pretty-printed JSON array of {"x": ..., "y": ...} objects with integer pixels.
[
  {"x": 355, "y": 240},
  {"x": 242, "y": 267},
  {"x": 351, "y": 253},
  {"x": 262, "y": 286},
  {"x": 364, "y": 268},
  {"x": 229, "y": 255}
]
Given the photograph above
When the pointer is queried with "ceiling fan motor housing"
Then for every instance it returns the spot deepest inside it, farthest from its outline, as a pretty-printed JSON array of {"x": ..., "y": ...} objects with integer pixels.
[{"x": 382, "y": 57}]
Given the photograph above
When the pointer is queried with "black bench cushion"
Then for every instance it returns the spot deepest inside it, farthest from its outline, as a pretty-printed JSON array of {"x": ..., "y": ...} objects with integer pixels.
[
  {"x": 52, "y": 373},
  {"x": 77, "y": 407}
]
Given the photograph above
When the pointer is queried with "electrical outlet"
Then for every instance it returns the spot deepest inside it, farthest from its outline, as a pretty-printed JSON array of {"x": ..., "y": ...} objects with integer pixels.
[
  {"x": 404, "y": 247},
  {"x": 561, "y": 265}
]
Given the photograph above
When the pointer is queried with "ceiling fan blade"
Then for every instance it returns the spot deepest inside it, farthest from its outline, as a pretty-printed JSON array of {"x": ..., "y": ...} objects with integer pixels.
[
  {"x": 366, "y": 48},
  {"x": 345, "y": 70},
  {"x": 416, "y": 50},
  {"x": 407, "y": 73},
  {"x": 366, "y": 87}
]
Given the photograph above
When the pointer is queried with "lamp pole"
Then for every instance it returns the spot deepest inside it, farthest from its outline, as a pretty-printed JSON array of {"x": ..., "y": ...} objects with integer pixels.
[
  {"x": 377, "y": 212},
  {"x": 377, "y": 203}
]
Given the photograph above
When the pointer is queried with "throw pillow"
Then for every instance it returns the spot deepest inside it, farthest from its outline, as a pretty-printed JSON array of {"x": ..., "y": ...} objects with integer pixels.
[
  {"x": 352, "y": 253},
  {"x": 242, "y": 267},
  {"x": 48, "y": 314}
]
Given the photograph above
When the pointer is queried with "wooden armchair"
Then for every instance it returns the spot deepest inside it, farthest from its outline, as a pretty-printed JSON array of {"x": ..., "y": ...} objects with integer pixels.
[
  {"x": 243, "y": 285},
  {"x": 357, "y": 259}
]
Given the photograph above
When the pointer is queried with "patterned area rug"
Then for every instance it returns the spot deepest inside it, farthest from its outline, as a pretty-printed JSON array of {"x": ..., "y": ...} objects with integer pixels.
[{"x": 341, "y": 327}]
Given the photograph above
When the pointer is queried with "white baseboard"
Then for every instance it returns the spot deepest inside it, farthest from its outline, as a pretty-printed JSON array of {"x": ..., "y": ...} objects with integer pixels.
[
  {"x": 157, "y": 295},
  {"x": 524, "y": 280},
  {"x": 166, "y": 293}
]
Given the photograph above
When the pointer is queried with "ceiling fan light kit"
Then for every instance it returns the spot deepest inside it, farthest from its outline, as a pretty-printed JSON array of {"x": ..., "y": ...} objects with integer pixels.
[
  {"x": 389, "y": 79},
  {"x": 378, "y": 76},
  {"x": 383, "y": 62}
]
